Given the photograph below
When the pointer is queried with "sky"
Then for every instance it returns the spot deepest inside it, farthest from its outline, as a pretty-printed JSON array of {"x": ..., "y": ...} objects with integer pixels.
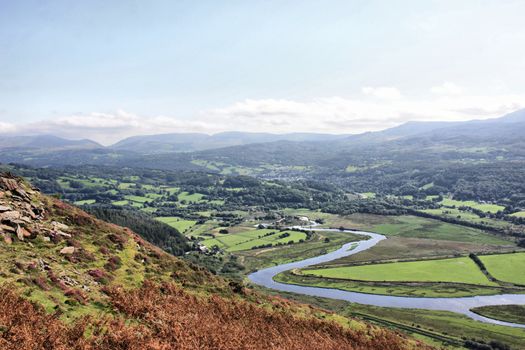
[{"x": 106, "y": 70}]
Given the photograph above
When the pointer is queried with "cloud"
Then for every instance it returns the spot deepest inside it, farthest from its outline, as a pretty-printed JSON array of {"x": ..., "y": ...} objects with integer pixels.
[
  {"x": 382, "y": 92},
  {"x": 324, "y": 115},
  {"x": 447, "y": 88},
  {"x": 7, "y": 127},
  {"x": 108, "y": 128}
]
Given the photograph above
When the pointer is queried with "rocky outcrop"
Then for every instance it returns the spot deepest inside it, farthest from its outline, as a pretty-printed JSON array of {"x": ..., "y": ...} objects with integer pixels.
[{"x": 22, "y": 213}]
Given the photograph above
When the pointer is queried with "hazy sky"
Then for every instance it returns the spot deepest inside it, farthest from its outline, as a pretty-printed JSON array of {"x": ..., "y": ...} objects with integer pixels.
[{"x": 108, "y": 69}]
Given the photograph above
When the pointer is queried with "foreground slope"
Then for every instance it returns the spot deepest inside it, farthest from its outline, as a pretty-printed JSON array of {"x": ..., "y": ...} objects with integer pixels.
[{"x": 69, "y": 281}]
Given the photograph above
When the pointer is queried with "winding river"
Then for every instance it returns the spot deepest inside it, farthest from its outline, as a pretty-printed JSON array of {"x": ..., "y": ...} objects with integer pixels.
[{"x": 462, "y": 305}]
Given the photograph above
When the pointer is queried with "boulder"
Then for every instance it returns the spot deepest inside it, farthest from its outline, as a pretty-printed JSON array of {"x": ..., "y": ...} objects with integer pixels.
[
  {"x": 67, "y": 250},
  {"x": 63, "y": 234},
  {"x": 8, "y": 184},
  {"x": 7, "y": 228},
  {"x": 10, "y": 215},
  {"x": 22, "y": 233},
  {"x": 4, "y": 208},
  {"x": 59, "y": 226}
]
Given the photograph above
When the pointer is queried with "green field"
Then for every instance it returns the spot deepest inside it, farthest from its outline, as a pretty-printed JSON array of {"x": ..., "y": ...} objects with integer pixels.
[
  {"x": 413, "y": 226},
  {"x": 125, "y": 185},
  {"x": 248, "y": 239},
  {"x": 412, "y": 289},
  {"x": 194, "y": 197},
  {"x": 455, "y": 213},
  {"x": 488, "y": 208},
  {"x": 506, "y": 267},
  {"x": 456, "y": 270},
  {"x": 519, "y": 214},
  {"x": 179, "y": 224},
  {"x": 86, "y": 202},
  {"x": 507, "y": 313},
  {"x": 317, "y": 245},
  {"x": 137, "y": 199}
]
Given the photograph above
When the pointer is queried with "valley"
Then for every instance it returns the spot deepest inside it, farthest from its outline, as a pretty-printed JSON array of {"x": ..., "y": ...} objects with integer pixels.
[
  {"x": 262, "y": 175},
  {"x": 444, "y": 238}
]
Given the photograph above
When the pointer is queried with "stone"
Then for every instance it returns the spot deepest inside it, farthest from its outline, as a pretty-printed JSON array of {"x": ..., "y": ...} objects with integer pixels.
[
  {"x": 10, "y": 215},
  {"x": 4, "y": 208},
  {"x": 21, "y": 193},
  {"x": 9, "y": 184},
  {"x": 22, "y": 233},
  {"x": 63, "y": 234},
  {"x": 59, "y": 225},
  {"x": 67, "y": 250},
  {"x": 7, "y": 228}
]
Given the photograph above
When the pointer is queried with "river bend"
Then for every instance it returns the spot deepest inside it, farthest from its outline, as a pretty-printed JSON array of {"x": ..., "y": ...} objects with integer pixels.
[{"x": 462, "y": 305}]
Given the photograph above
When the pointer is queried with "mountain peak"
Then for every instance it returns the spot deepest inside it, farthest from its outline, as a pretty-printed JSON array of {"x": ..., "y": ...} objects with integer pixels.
[{"x": 514, "y": 117}]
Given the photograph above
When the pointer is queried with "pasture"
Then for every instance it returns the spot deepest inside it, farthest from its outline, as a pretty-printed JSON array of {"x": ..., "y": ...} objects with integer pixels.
[
  {"x": 246, "y": 240},
  {"x": 455, "y": 213},
  {"x": 486, "y": 207},
  {"x": 506, "y": 267},
  {"x": 177, "y": 223},
  {"x": 86, "y": 202},
  {"x": 455, "y": 270},
  {"x": 413, "y": 226}
]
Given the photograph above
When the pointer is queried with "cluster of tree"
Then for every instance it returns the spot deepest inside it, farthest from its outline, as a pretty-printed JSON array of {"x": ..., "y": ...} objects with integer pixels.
[
  {"x": 479, "y": 345},
  {"x": 156, "y": 232}
]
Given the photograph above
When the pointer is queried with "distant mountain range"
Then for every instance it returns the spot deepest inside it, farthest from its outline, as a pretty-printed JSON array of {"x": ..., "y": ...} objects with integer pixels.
[
  {"x": 45, "y": 142},
  {"x": 477, "y": 139},
  {"x": 165, "y": 143}
]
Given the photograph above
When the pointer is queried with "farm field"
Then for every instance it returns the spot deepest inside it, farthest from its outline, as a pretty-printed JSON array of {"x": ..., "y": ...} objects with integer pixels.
[
  {"x": 413, "y": 226},
  {"x": 506, "y": 267},
  {"x": 190, "y": 198},
  {"x": 508, "y": 313},
  {"x": 455, "y": 213},
  {"x": 456, "y": 270},
  {"x": 412, "y": 289},
  {"x": 399, "y": 248},
  {"x": 179, "y": 224},
  {"x": 86, "y": 202},
  {"x": 519, "y": 214},
  {"x": 488, "y": 208},
  {"x": 232, "y": 242},
  {"x": 316, "y": 245},
  {"x": 137, "y": 199}
]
